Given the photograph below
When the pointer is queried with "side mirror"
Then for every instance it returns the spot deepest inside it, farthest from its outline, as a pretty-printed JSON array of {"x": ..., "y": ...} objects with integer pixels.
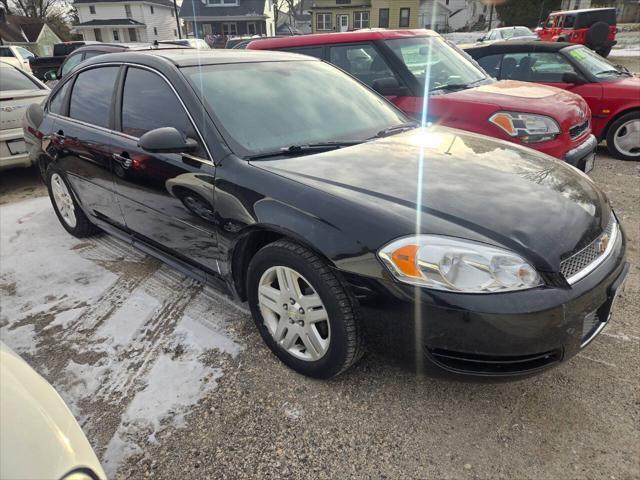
[
  {"x": 166, "y": 140},
  {"x": 51, "y": 75},
  {"x": 573, "y": 78},
  {"x": 389, "y": 87}
]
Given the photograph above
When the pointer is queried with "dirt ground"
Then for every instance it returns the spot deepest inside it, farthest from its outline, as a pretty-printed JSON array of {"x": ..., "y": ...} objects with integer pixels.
[{"x": 170, "y": 380}]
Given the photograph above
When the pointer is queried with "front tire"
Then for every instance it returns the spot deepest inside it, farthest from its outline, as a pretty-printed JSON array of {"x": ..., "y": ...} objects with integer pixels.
[
  {"x": 66, "y": 206},
  {"x": 623, "y": 137},
  {"x": 303, "y": 311}
]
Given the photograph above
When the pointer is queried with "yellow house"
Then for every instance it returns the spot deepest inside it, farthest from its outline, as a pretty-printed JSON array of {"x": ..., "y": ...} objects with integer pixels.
[{"x": 346, "y": 15}]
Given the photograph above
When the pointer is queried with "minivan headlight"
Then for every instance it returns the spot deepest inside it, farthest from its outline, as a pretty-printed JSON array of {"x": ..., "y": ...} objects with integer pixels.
[
  {"x": 456, "y": 265},
  {"x": 528, "y": 127}
]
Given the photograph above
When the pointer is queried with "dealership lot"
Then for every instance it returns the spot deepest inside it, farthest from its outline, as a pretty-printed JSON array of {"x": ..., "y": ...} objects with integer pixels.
[{"x": 169, "y": 378}]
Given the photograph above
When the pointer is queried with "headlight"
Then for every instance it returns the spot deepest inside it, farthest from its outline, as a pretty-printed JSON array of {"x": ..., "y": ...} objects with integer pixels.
[
  {"x": 451, "y": 264},
  {"x": 528, "y": 127}
]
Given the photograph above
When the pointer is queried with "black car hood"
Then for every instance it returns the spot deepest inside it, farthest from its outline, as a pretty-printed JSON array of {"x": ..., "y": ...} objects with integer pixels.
[{"x": 467, "y": 185}]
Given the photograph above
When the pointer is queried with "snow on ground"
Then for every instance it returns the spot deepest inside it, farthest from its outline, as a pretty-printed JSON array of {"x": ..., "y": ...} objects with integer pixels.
[
  {"x": 117, "y": 333},
  {"x": 459, "y": 38}
]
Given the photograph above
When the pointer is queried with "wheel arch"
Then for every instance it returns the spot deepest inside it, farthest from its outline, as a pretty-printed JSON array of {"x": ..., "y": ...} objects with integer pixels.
[{"x": 616, "y": 116}]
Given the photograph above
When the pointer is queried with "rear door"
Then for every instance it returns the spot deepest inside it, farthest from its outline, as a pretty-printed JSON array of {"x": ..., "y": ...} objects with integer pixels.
[
  {"x": 83, "y": 112},
  {"x": 167, "y": 199}
]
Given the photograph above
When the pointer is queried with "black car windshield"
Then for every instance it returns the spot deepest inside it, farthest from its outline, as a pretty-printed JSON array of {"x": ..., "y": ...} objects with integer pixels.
[
  {"x": 594, "y": 63},
  {"x": 432, "y": 57},
  {"x": 268, "y": 106}
]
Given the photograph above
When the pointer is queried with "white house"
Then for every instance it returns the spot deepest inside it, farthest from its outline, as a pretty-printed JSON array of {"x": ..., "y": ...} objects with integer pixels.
[
  {"x": 454, "y": 15},
  {"x": 126, "y": 21}
]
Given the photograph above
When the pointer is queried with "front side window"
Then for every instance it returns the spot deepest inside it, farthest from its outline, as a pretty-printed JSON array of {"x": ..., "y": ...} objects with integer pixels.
[
  {"x": 362, "y": 61},
  {"x": 316, "y": 52},
  {"x": 24, "y": 53},
  {"x": 405, "y": 15},
  {"x": 431, "y": 61},
  {"x": 91, "y": 96},
  {"x": 57, "y": 104},
  {"x": 361, "y": 20},
  {"x": 383, "y": 18},
  {"x": 270, "y": 106},
  {"x": 323, "y": 21},
  {"x": 71, "y": 62},
  {"x": 536, "y": 67},
  {"x": 12, "y": 79}
]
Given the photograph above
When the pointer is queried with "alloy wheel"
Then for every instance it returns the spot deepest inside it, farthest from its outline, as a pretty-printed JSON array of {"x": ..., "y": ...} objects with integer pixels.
[
  {"x": 294, "y": 313},
  {"x": 627, "y": 138},
  {"x": 63, "y": 199}
]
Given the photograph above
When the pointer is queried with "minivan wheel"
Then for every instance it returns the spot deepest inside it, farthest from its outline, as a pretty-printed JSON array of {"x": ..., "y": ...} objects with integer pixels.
[
  {"x": 65, "y": 205},
  {"x": 623, "y": 137},
  {"x": 303, "y": 311}
]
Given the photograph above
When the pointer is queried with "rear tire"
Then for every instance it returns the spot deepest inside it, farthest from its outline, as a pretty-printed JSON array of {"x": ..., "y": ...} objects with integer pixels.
[
  {"x": 623, "y": 137},
  {"x": 604, "y": 52},
  {"x": 597, "y": 36},
  {"x": 65, "y": 204},
  {"x": 283, "y": 280}
]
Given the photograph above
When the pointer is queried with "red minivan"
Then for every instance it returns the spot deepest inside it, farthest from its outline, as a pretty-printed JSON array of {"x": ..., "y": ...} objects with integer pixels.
[{"x": 459, "y": 94}]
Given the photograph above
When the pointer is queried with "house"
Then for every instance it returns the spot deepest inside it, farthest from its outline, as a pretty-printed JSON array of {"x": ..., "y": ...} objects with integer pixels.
[
  {"x": 454, "y": 15},
  {"x": 227, "y": 18},
  {"x": 346, "y": 15},
  {"x": 126, "y": 21},
  {"x": 31, "y": 33}
]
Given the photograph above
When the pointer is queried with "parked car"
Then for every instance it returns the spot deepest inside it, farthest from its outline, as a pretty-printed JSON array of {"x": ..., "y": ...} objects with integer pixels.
[
  {"x": 42, "y": 65},
  {"x": 18, "y": 90},
  {"x": 508, "y": 33},
  {"x": 17, "y": 56},
  {"x": 613, "y": 94},
  {"x": 233, "y": 41},
  {"x": 593, "y": 27},
  {"x": 99, "y": 48},
  {"x": 187, "y": 42},
  {"x": 39, "y": 437},
  {"x": 397, "y": 64},
  {"x": 329, "y": 211}
]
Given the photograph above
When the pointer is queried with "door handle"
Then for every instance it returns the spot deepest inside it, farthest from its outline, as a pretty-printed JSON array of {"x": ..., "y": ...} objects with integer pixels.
[{"x": 123, "y": 158}]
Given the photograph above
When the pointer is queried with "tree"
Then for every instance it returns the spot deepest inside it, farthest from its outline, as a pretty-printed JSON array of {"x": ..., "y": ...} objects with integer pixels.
[
  {"x": 282, "y": 6},
  {"x": 529, "y": 12}
]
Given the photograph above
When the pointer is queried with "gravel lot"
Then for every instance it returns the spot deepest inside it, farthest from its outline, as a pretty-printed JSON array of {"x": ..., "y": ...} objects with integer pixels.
[{"x": 171, "y": 380}]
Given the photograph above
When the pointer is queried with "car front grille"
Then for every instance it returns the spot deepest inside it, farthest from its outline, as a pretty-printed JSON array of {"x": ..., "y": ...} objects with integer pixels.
[
  {"x": 577, "y": 130},
  {"x": 579, "y": 264},
  {"x": 494, "y": 364}
]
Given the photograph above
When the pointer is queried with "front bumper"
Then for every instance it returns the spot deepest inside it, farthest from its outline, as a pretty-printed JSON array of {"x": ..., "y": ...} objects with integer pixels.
[
  {"x": 8, "y": 158},
  {"x": 490, "y": 336},
  {"x": 582, "y": 157}
]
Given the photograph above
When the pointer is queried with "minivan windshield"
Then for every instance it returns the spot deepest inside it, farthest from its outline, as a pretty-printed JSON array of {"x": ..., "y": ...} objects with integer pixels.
[
  {"x": 264, "y": 107},
  {"x": 432, "y": 57}
]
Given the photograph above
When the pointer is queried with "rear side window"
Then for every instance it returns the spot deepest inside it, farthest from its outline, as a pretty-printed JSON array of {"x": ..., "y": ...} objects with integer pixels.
[
  {"x": 12, "y": 79},
  {"x": 91, "y": 96},
  {"x": 362, "y": 61},
  {"x": 6, "y": 52},
  {"x": 57, "y": 103},
  {"x": 316, "y": 52},
  {"x": 149, "y": 103}
]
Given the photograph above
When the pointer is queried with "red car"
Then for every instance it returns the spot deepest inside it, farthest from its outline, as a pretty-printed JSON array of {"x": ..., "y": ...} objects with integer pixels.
[
  {"x": 612, "y": 92},
  {"x": 593, "y": 27},
  {"x": 397, "y": 64}
]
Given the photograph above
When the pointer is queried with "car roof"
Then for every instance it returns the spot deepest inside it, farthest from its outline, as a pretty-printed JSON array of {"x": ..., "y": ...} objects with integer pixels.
[
  {"x": 518, "y": 47},
  {"x": 337, "y": 37},
  {"x": 581, "y": 10},
  {"x": 511, "y": 28},
  {"x": 191, "y": 57}
]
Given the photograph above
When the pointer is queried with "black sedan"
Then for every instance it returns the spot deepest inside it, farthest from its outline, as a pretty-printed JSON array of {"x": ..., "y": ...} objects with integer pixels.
[{"x": 288, "y": 183}]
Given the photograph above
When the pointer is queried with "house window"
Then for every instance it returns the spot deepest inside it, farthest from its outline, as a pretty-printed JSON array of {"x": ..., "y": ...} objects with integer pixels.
[
  {"x": 343, "y": 2},
  {"x": 98, "y": 34},
  {"x": 405, "y": 14},
  {"x": 323, "y": 21},
  {"x": 229, "y": 29},
  {"x": 206, "y": 28},
  {"x": 383, "y": 18},
  {"x": 133, "y": 37},
  {"x": 175, "y": 32},
  {"x": 92, "y": 9},
  {"x": 155, "y": 30},
  {"x": 223, "y": 3},
  {"x": 251, "y": 28},
  {"x": 116, "y": 36},
  {"x": 151, "y": 7},
  {"x": 360, "y": 20},
  {"x": 127, "y": 11},
  {"x": 173, "y": 13}
]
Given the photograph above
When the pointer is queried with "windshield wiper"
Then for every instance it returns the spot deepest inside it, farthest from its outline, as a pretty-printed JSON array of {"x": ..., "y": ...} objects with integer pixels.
[
  {"x": 614, "y": 72},
  {"x": 402, "y": 127},
  {"x": 294, "y": 150}
]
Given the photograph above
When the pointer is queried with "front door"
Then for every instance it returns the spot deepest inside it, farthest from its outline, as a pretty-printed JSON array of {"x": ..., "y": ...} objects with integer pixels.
[
  {"x": 167, "y": 198},
  {"x": 343, "y": 23}
]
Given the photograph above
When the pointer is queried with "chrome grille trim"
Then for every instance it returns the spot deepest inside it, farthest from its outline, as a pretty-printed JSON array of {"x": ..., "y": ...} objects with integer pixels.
[
  {"x": 580, "y": 264},
  {"x": 577, "y": 130}
]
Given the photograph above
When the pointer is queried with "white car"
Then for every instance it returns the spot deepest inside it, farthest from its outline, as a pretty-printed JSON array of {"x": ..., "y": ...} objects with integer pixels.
[
  {"x": 39, "y": 437},
  {"x": 16, "y": 56},
  {"x": 18, "y": 90}
]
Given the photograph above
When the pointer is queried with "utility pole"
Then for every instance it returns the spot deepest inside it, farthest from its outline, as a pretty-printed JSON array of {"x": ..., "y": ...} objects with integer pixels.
[{"x": 175, "y": 9}]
